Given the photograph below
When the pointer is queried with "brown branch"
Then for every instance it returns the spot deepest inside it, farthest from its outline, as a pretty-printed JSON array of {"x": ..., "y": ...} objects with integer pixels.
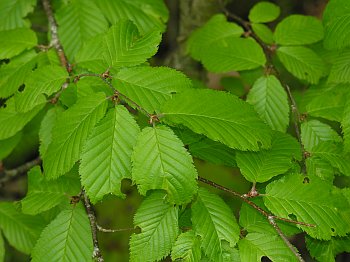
[
  {"x": 97, "y": 255},
  {"x": 107, "y": 230}
]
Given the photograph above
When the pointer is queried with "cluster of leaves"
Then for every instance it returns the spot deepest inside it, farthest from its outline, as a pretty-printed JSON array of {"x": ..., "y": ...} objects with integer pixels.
[{"x": 90, "y": 139}]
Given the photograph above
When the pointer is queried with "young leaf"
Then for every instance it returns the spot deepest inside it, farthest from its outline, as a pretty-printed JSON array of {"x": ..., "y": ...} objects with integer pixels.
[
  {"x": 161, "y": 162},
  {"x": 45, "y": 80},
  {"x": 148, "y": 15},
  {"x": 70, "y": 132},
  {"x": 43, "y": 195},
  {"x": 336, "y": 20},
  {"x": 123, "y": 45},
  {"x": 310, "y": 201},
  {"x": 12, "y": 14},
  {"x": 187, "y": 248},
  {"x": 220, "y": 116},
  {"x": 106, "y": 158},
  {"x": 214, "y": 221},
  {"x": 257, "y": 245},
  {"x": 66, "y": 238},
  {"x": 233, "y": 54},
  {"x": 150, "y": 87},
  {"x": 340, "y": 71},
  {"x": 261, "y": 166},
  {"x": 264, "y": 12},
  {"x": 78, "y": 21},
  {"x": 270, "y": 100},
  {"x": 7, "y": 145},
  {"x": 11, "y": 121},
  {"x": 158, "y": 222},
  {"x": 301, "y": 62},
  {"x": 15, "y": 41},
  {"x": 292, "y": 30},
  {"x": 216, "y": 30},
  {"x": 20, "y": 230},
  {"x": 345, "y": 125},
  {"x": 264, "y": 32},
  {"x": 314, "y": 131}
]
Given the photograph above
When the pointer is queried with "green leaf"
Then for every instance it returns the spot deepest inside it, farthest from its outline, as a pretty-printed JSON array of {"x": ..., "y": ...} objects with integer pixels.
[
  {"x": 2, "y": 248},
  {"x": 257, "y": 245},
  {"x": 316, "y": 166},
  {"x": 234, "y": 54},
  {"x": 292, "y": 30},
  {"x": 336, "y": 21},
  {"x": 214, "y": 221},
  {"x": 340, "y": 71},
  {"x": 302, "y": 62},
  {"x": 148, "y": 15},
  {"x": 160, "y": 161},
  {"x": 261, "y": 166},
  {"x": 125, "y": 47},
  {"x": 70, "y": 132},
  {"x": 270, "y": 100},
  {"x": 264, "y": 12},
  {"x": 67, "y": 238},
  {"x": 15, "y": 41},
  {"x": 43, "y": 81},
  {"x": 7, "y": 145},
  {"x": 12, "y": 13},
  {"x": 43, "y": 195},
  {"x": 20, "y": 230},
  {"x": 314, "y": 131},
  {"x": 326, "y": 251},
  {"x": 106, "y": 158},
  {"x": 345, "y": 125},
  {"x": 158, "y": 222},
  {"x": 293, "y": 195},
  {"x": 187, "y": 248},
  {"x": 11, "y": 121},
  {"x": 216, "y": 30},
  {"x": 78, "y": 21},
  {"x": 220, "y": 116},
  {"x": 150, "y": 87},
  {"x": 264, "y": 32},
  {"x": 13, "y": 74}
]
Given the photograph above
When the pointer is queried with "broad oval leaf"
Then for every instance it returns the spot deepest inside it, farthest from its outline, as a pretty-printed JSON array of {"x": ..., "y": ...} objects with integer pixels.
[
  {"x": 340, "y": 70},
  {"x": 264, "y": 32},
  {"x": 264, "y": 12},
  {"x": 158, "y": 221},
  {"x": 12, "y": 14},
  {"x": 106, "y": 157},
  {"x": 70, "y": 132},
  {"x": 160, "y": 161},
  {"x": 220, "y": 116},
  {"x": 187, "y": 248},
  {"x": 345, "y": 125}
]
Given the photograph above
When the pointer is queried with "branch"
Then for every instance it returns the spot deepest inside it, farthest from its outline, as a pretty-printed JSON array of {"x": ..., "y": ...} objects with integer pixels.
[
  {"x": 107, "y": 230},
  {"x": 97, "y": 255}
]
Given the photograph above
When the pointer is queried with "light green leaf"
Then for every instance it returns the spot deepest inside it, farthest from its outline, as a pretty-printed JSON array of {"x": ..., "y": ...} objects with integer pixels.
[
  {"x": 220, "y": 116},
  {"x": 160, "y": 161},
  {"x": 301, "y": 62},
  {"x": 261, "y": 166},
  {"x": 158, "y": 221},
  {"x": 11, "y": 121},
  {"x": 336, "y": 21},
  {"x": 2, "y": 248},
  {"x": 67, "y": 238},
  {"x": 264, "y": 12},
  {"x": 13, "y": 74},
  {"x": 345, "y": 124},
  {"x": 214, "y": 221},
  {"x": 340, "y": 71},
  {"x": 43, "y": 195},
  {"x": 257, "y": 245},
  {"x": 292, "y": 30},
  {"x": 148, "y": 15},
  {"x": 316, "y": 166},
  {"x": 70, "y": 132},
  {"x": 187, "y": 248},
  {"x": 234, "y": 54},
  {"x": 15, "y": 41},
  {"x": 264, "y": 32},
  {"x": 12, "y": 13},
  {"x": 270, "y": 100},
  {"x": 293, "y": 195},
  {"x": 150, "y": 87},
  {"x": 314, "y": 131},
  {"x": 216, "y": 30},
  {"x": 7, "y": 145},
  {"x": 123, "y": 45},
  {"x": 43, "y": 81},
  {"x": 20, "y": 230},
  {"x": 78, "y": 21},
  {"x": 106, "y": 158}
]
